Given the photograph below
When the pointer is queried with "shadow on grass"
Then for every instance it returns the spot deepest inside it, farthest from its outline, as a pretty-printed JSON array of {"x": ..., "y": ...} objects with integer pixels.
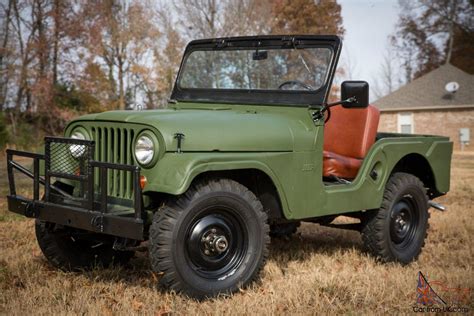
[
  {"x": 137, "y": 272},
  {"x": 311, "y": 240}
]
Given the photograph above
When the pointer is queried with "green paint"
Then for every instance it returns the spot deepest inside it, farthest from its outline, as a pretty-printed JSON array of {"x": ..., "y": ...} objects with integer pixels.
[{"x": 281, "y": 141}]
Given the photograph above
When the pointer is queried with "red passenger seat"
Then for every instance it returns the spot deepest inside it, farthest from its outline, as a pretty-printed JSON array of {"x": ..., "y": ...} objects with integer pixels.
[{"x": 348, "y": 136}]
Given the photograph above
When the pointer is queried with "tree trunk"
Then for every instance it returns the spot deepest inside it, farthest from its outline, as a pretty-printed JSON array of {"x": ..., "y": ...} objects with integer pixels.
[
  {"x": 450, "y": 44},
  {"x": 4, "y": 78},
  {"x": 42, "y": 41},
  {"x": 110, "y": 76},
  {"x": 121, "y": 85},
  {"x": 452, "y": 15},
  {"x": 57, "y": 26},
  {"x": 22, "y": 80},
  {"x": 13, "y": 123}
]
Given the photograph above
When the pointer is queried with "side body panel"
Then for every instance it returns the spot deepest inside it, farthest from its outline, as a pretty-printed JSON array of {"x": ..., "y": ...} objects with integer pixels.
[{"x": 298, "y": 175}]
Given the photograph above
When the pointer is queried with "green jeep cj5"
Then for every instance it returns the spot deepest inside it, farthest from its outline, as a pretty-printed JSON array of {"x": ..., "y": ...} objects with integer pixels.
[{"x": 247, "y": 149}]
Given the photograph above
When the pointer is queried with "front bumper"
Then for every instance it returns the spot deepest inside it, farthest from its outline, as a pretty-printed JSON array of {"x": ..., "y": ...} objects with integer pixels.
[{"x": 85, "y": 210}]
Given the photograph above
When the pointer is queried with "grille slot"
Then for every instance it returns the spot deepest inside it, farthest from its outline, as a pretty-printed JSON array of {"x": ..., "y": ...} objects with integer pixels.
[{"x": 114, "y": 145}]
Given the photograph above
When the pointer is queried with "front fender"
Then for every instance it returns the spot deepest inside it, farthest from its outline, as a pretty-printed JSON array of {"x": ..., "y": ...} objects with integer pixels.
[{"x": 174, "y": 173}]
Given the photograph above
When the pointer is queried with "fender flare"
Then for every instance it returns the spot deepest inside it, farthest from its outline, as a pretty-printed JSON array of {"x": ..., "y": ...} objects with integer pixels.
[{"x": 200, "y": 168}]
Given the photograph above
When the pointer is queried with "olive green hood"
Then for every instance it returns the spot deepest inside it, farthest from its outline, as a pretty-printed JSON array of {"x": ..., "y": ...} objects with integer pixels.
[{"x": 218, "y": 128}]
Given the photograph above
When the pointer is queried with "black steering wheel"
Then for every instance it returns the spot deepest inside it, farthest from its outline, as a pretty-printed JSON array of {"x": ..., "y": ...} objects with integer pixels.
[{"x": 295, "y": 82}]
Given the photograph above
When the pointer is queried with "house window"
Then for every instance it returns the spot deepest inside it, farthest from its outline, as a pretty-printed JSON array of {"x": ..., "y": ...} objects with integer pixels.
[{"x": 405, "y": 123}]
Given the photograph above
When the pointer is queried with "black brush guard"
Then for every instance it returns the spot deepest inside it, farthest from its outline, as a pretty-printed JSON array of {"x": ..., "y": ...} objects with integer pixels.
[{"x": 72, "y": 160}]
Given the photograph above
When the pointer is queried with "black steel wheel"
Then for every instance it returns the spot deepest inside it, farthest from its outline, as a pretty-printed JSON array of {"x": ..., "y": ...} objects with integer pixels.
[
  {"x": 403, "y": 222},
  {"x": 216, "y": 243},
  {"x": 211, "y": 240},
  {"x": 71, "y": 249},
  {"x": 397, "y": 230}
]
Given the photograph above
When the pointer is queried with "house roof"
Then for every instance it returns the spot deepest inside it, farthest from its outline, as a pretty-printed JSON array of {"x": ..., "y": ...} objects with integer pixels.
[{"x": 428, "y": 92}]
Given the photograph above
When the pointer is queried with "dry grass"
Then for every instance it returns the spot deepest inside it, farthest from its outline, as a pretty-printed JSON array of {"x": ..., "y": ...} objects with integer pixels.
[{"x": 319, "y": 270}]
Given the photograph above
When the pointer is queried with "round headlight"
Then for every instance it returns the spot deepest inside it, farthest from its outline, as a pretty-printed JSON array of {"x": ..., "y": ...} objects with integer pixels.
[
  {"x": 77, "y": 150},
  {"x": 144, "y": 150}
]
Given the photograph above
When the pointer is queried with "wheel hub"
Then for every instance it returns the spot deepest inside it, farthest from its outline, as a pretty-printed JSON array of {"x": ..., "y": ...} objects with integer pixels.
[
  {"x": 213, "y": 242},
  {"x": 402, "y": 224}
]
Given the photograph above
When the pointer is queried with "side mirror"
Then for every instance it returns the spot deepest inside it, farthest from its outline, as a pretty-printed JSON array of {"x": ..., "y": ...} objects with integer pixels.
[{"x": 358, "y": 91}]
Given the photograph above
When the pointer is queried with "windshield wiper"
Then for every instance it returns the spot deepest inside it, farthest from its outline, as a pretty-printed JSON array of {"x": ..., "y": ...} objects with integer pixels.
[{"x": 304, "y": 63}]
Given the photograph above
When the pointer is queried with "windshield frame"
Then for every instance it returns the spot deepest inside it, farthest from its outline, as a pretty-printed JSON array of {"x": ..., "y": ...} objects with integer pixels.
[{"x": 260, "y": 96}]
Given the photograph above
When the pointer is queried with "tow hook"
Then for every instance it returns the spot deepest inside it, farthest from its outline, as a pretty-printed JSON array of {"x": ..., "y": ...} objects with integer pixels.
[
  {"x": 98, "y": 223},
  {"x": 30, "y": 210},
  {"x": 437, "y": 206}
]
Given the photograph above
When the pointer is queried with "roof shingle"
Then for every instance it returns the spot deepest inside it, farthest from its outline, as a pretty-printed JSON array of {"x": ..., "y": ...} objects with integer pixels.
[{"x": 429, "y": 91}]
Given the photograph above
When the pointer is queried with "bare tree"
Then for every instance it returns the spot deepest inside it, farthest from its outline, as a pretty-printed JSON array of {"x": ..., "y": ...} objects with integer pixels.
[
  {"x": 4, "y": 51},
  {"x": 388, "y": 78},
  {"x": 247, "y": 17},
  {"x": 24, "y": 33},
  {"x": 349, "y": 65},
  {"x": 121, "y": 34},
  {"x": 201, "y": 18},
  {"x": 429, "y": 32},
  {"x": 57, "y": 12}
]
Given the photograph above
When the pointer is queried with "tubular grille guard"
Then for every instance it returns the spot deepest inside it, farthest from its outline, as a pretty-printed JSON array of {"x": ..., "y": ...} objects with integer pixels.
[
  {"x": 87, "y": 211},
  {"x": 73, "y": 159},
  {"x": 67, "y": 158}
]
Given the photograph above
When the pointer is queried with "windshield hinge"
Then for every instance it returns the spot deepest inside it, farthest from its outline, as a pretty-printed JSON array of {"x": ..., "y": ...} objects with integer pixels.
[
  {"x": 221, "y": 43},
  {"x": 290, "y": 41}
]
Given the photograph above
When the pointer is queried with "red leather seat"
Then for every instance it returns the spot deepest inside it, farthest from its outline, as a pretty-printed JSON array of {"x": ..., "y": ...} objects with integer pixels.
[{"x": 348, "y": 136}]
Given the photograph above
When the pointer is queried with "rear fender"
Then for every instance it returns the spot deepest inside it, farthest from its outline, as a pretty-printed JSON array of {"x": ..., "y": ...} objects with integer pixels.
[{"x": 366, "y": 192}]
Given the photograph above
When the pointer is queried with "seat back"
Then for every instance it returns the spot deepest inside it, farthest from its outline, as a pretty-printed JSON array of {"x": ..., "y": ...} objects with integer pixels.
[{"x": 351, "y": 132}]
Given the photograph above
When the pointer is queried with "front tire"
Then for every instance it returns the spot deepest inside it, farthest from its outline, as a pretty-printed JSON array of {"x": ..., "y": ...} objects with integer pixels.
[
  {"x": 72, "y": 249},
  {"x": 212, "y": 240},
  {"x": 396, "y": 232}
]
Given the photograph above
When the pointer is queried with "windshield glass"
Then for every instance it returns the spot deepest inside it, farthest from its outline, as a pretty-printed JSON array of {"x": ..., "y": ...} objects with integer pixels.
[{"x": 264, "y": 69}]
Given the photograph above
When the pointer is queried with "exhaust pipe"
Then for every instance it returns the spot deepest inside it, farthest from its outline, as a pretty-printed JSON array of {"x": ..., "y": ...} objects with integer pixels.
[{"x": 437, "y": 206}]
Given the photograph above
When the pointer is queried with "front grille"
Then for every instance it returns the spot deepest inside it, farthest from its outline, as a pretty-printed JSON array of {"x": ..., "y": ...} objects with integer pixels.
[{"x": 114, "y": 145}]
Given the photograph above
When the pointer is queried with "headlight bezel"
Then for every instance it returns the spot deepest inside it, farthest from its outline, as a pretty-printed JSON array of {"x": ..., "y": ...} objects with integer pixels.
[
  {"x": 156, "y": 148},
  {"x": 74, "y": 148}
]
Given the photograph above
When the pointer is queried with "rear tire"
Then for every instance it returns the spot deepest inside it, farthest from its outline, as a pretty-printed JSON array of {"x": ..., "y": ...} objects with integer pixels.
[
  {"x": 65, "y": 248},
  {"x": 396, "y": 232},
  {"x": 211, "y": 240}
]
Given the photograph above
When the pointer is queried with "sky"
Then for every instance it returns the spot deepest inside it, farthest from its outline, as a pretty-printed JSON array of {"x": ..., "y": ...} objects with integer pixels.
[{"x": 368, "y": 24}]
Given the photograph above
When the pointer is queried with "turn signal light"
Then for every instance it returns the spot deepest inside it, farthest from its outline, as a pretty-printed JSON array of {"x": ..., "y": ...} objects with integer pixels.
[{"x": 143, "y": 182}]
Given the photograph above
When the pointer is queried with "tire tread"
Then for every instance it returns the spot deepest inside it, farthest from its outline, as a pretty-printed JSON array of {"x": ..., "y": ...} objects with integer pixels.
[
  {"x": 166, "y": 219},
  {"x": 374, "y": 230}
]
